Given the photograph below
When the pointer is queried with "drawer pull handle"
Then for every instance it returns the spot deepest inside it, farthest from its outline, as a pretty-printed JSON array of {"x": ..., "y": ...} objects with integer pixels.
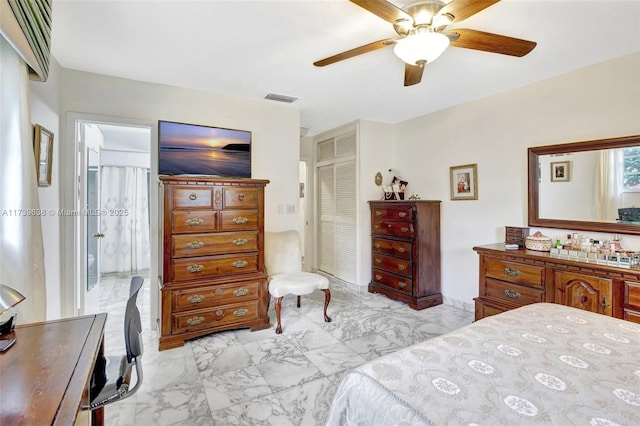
[
  {"x": 193, "y": 196},
  {"x": 402, "y": 267},
  {"x": 404, "y": 229},
  {"x": 400, "y": 249},
  {"x": 194, "y": 222},
  {"x": 402, "y": 214},
  {"x": 195, "y": 268},
  {"x": 240, "y": 220},
  {"x": 511, "y": 294},
  {"x": 378, "y": 212},
  {"x": 376, "y": 246},
  {"x": 218, "y": 292},
  {"x": 219, "y": 312},
  {"x": 196, "y": 298},
  {"x": 511, "y": 272},
  {"x": 195, "y": 320},
  {"x": 194, "y": 245},
  {"x": 376, "y": 226},
  {"x": 240, "y": 263},
  {"x": 378, "y": 277},
  {"x": 240, "y": 292},
  {"x": 240, "y": 241},
  {"x": 378, "y": 261},
  {"x": 402, "y": 284},
  {"x": 241, "y": 197},
  {"x": 241, "y": 312}
]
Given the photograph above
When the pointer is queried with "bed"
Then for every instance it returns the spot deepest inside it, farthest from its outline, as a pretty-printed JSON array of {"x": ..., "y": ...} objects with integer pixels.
[{"x": 540, "y": 364}]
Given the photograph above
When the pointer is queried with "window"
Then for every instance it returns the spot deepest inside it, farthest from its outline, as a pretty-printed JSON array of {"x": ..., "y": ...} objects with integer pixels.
[{"x": 631, "y": 177}]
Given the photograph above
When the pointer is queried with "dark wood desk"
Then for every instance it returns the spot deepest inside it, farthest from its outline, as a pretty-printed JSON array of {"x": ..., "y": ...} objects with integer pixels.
[{"x": 45, "y": 376}]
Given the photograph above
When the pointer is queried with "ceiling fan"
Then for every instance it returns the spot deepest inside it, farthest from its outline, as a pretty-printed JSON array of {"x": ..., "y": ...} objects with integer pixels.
[{"x": 423, "y": 34}]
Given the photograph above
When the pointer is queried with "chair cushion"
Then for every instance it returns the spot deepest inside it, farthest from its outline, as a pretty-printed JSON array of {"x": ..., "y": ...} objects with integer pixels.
[{"x": 297, "y": 283}]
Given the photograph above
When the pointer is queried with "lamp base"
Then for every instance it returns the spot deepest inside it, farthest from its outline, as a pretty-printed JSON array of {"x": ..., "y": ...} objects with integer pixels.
[{"x": 6, "y": 344}]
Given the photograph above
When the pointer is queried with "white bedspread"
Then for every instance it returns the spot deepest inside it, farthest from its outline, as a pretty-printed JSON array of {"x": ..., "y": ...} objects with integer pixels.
[{"x": 542, "y": 364}]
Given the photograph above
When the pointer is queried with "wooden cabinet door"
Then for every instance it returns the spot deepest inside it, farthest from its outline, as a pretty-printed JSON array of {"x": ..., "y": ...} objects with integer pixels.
[{"x": 586, "y": 292}]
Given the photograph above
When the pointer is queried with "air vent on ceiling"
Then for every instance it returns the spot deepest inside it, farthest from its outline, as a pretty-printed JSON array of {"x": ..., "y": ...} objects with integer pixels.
[{"x": 280, "y": 98}]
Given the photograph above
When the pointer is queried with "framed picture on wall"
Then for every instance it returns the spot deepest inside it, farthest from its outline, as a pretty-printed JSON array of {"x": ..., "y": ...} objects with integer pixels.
[
  {"x": 561, "y": 171},
  {"x": 43, "y": 152},
  {"x": 464, "y": 182}
]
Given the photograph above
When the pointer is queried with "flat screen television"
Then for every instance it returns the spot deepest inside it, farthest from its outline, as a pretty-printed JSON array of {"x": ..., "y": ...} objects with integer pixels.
[{"x": 192, "y": 149}]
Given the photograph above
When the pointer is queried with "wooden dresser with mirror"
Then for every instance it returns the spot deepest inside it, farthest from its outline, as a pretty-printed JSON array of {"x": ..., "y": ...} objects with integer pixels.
[{"x": 512, "y": 278}]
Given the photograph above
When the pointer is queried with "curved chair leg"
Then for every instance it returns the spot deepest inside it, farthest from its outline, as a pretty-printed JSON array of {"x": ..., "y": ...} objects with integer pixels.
[
  {"x": 327, "y": 299},
  {"x": 278, "y": 306}
]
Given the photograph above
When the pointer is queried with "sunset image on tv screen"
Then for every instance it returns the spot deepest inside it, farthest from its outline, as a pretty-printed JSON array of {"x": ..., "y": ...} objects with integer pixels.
[{"x": 189, "y": 149}]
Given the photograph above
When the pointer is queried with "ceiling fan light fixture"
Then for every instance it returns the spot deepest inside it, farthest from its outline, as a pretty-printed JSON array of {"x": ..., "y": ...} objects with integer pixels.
[{"x": 421, "y": 47}]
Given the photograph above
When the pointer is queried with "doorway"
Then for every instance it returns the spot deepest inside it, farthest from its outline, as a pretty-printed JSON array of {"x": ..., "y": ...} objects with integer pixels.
[{"x": 113, "y": 205}]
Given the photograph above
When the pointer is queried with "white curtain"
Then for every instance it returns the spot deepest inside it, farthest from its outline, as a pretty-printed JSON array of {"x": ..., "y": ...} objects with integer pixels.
[
  {"x": 609, "y": 183},
  {"x": 21, "y": 246},
  {"x": 125, "y": 224}
]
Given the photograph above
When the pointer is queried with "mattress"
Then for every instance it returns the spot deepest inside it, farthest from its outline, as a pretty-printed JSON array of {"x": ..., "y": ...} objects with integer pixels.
[{"x": 540, "y": 364}]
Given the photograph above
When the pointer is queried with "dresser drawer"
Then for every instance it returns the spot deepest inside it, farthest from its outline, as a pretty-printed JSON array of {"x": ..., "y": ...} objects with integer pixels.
[
  {"x": 189, "y": 197},
  {"x": 193, "y": 221},
  {"x": 512, "y": 293},
  {"x": 394, "y": 248},
  {"x": 184, "y": 322},
  {"x": 392, "y": 264},
  {"x": 399, "y": 229},
  {"x": 187, "y": 245},
  {"x": 632, "y": 294},
  {"x": 212, "y": 266},
  {"x": 396, "y": 282},
  {"x": 401, "y": 213},
  {"x": 208, "y": 296},
  {"x": 518, "y": 273},
  {"x": 238, "y": 220},
  {"x": 241, "y": 197}
]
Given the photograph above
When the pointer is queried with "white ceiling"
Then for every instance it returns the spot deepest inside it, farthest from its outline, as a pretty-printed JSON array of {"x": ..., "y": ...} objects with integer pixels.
[{"x": 250, "y": 48}]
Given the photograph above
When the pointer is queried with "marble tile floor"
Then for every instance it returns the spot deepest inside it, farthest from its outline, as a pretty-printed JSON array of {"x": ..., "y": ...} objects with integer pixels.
[{"x": 260, "y": 378}]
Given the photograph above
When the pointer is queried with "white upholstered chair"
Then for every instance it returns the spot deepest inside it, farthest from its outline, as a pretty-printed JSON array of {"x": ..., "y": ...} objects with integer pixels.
[{"x": 283, "y": 260}]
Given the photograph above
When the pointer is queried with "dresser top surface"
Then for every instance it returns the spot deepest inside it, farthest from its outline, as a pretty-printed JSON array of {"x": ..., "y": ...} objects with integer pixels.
[
  {"x": 391, "y": 202},
  {"x": 210, "y": 180},
  {"x": 545, "y": 256}
]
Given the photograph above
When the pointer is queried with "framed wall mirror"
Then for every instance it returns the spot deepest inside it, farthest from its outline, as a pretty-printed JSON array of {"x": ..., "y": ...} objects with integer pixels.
[{"x": 586, "y": 186}]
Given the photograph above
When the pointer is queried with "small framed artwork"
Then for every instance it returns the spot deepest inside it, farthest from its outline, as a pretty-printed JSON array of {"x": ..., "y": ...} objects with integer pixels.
[
  {"x": 561, "y": 171},
  {"x": 43, "y": 150},
  {"x": 464, "y": 182}
]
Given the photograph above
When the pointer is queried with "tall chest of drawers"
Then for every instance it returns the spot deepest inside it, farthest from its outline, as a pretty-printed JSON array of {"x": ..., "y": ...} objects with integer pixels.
[
  {"x": 405, "y": 251},
  {"x": 213, "y": 257}
]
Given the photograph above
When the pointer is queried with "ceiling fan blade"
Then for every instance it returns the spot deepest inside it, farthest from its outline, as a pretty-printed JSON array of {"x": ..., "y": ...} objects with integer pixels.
[
  {"x": 355, "y": 52},
  {"x": 488, "y": 42},
  {"x": 462, "y": 9},
  {"x": 384, "y": 10},
  {"x": 412, "y": 74}
]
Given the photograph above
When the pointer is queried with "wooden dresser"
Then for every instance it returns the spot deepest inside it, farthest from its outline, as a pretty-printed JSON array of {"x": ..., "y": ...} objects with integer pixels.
[
  {"x": 405, "y": 246},
  {"x": 513, "y": 278},
  {"x": 213, "y": 257}
]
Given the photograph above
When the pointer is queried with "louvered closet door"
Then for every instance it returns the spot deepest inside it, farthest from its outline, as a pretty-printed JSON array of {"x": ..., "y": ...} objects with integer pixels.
[{"x": 337, "y": 207}]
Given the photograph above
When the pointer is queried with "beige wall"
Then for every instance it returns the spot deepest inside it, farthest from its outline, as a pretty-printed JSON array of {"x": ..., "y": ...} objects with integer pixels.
[
  {"x": 596, "y": 102},
  {"x": 45, "y": 111}
]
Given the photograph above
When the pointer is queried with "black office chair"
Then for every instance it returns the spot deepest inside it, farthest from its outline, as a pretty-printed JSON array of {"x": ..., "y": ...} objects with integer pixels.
[{"x": 112, "y": 375}]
